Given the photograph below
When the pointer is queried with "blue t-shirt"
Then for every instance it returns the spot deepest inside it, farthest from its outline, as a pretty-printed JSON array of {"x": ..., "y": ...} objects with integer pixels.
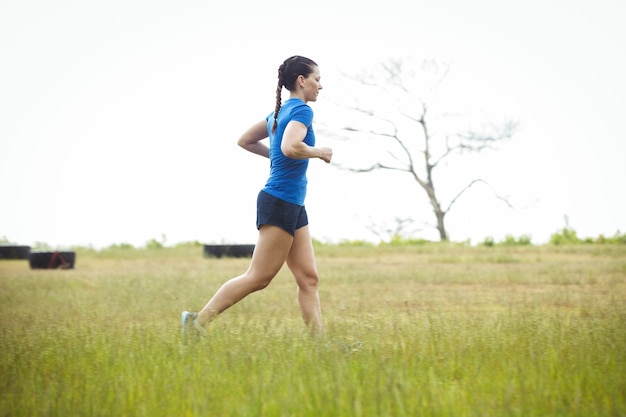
[{"x": 287, "y": 179}]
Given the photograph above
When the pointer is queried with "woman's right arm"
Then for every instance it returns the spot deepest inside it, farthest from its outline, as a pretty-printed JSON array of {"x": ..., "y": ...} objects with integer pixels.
[
  {"x": 293, "y": 145},
  {"x": 251, "y": 139}
]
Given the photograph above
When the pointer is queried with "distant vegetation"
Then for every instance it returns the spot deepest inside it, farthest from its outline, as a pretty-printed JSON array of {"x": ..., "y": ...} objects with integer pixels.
[{"x": 564, "y": 236}]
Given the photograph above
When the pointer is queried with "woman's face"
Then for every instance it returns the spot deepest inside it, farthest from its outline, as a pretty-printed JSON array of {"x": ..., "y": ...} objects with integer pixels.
[{"x": 311, "y": 85}]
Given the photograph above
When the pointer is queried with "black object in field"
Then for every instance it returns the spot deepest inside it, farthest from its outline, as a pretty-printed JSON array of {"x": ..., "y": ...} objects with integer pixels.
[
  {"x": 52, "y": 260},
  {"x": 232, "y": 251},
  {"x": 14, "y": 252}
]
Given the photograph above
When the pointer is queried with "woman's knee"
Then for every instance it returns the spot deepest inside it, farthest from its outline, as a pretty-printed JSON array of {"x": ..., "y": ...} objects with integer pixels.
[
  {"x": 307, "y": 280},
  {"x": 258, "y": 282}
]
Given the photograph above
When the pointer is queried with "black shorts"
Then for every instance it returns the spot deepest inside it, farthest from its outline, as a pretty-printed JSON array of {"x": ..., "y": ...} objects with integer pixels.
[{"x": 271, "y": 210}]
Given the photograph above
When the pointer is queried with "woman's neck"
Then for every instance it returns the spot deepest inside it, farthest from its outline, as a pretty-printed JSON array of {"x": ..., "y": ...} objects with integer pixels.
[{"x": 294, "y": 94}]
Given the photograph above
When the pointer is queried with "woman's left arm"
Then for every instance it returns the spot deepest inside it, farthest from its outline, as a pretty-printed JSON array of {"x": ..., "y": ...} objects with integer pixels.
[{"x": 251, "y": 139}]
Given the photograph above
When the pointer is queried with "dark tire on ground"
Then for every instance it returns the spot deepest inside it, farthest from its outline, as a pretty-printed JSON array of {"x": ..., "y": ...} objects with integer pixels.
[
  {"x": 52, "y": 260},
  {"x": 229, "y": 251},
  {"x": 14, "y": 252}
]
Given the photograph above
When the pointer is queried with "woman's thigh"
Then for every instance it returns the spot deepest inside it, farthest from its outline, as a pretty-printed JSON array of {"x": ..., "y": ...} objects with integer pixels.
[
  {"x": 270, "y": 252},
  {"x": 301, "y": 257}
]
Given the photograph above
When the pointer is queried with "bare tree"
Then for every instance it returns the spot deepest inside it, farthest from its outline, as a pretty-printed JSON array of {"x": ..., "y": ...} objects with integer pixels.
[{"x": 417, "y": 140}]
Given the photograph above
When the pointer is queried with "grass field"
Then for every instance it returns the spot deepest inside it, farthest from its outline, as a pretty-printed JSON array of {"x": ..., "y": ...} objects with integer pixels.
[{"x": 432, "y": 330}]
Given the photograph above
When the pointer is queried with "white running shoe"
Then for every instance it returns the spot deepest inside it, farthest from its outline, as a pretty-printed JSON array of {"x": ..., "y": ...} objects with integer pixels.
[{"x": 189, "y": 320}]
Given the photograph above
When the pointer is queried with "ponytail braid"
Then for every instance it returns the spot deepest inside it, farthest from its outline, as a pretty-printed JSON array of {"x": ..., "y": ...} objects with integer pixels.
[{"x": 279, "y": 90}]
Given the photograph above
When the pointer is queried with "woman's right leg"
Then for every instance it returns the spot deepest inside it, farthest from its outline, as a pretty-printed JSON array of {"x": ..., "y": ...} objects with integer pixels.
[{"x": 269, "y": 255}]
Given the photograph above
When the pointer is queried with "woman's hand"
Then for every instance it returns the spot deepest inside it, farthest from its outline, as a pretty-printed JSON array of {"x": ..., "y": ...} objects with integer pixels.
[
  {"x": 326, "y": 154},
  {"x": 251, "y": 139}
]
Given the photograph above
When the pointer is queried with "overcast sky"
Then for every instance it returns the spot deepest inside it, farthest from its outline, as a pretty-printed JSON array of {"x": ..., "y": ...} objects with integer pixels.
[{"x": 119, "y": 119}]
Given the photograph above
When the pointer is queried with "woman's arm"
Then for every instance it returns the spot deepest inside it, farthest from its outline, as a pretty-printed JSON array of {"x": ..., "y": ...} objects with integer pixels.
[
  {"x": 251, "y": 139},
  {"x": 293, "y": 145}
]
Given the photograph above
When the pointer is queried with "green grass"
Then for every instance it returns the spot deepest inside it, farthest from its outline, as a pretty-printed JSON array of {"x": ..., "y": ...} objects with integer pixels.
[{"x": 431, "y": 330}]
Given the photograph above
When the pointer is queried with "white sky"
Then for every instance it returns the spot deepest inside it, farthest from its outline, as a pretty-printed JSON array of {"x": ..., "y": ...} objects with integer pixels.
[{"x": 119, "y": 119}]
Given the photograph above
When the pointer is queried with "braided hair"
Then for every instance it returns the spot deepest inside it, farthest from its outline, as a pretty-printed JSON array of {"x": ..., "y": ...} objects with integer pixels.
[{"x": 288, "y": 73}]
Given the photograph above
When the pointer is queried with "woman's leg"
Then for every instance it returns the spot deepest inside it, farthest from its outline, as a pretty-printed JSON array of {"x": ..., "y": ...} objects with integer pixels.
[
  {"x": 269, "y": 256},
  {"x": 301, "y": 262}
]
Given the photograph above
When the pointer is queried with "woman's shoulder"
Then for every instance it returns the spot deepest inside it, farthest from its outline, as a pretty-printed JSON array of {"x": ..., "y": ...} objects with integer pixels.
[
  {"x": 295, "y": 102},
  {"x": 295, "y": 106},
  {"x": 298, "y": 106}
]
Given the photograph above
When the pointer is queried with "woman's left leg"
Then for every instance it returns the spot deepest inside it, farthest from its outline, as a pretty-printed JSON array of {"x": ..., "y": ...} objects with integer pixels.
[
  {"x": 269, "y": 256},
  {"x": 301, "y": 262}
]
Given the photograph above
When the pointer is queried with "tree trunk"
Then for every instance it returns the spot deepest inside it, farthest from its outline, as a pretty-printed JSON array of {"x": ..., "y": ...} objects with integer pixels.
[
  {"x": 439, "y": 213},
  {"x": 443, "y": 235}
]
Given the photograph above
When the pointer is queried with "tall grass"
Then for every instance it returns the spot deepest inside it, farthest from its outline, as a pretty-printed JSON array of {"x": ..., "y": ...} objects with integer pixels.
[{"x": 434, "y": 330}]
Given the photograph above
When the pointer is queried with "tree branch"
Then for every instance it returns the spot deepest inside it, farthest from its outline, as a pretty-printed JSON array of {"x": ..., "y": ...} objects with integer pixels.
[
  {"x": 461, "y": 193},
  {"x": 475, "y": 142},
  {"x": 498, "y": 196},
  {"x": 374, "y": 167},
  {"x": 396, "y": 79}
]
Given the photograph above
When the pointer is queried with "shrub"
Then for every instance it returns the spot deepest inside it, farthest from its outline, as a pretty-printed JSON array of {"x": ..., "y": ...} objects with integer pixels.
[
  {"x": 523, "y": 240},
  {"x": 566, "y": 236},
  {"x": 617, "y": 239},
  {"x": 398, "y": 240},
  {"x": 154, "y": 244}
]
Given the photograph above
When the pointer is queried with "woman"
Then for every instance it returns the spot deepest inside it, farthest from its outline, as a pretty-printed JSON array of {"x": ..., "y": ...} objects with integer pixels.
[{"x": 281, "y": 216}]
